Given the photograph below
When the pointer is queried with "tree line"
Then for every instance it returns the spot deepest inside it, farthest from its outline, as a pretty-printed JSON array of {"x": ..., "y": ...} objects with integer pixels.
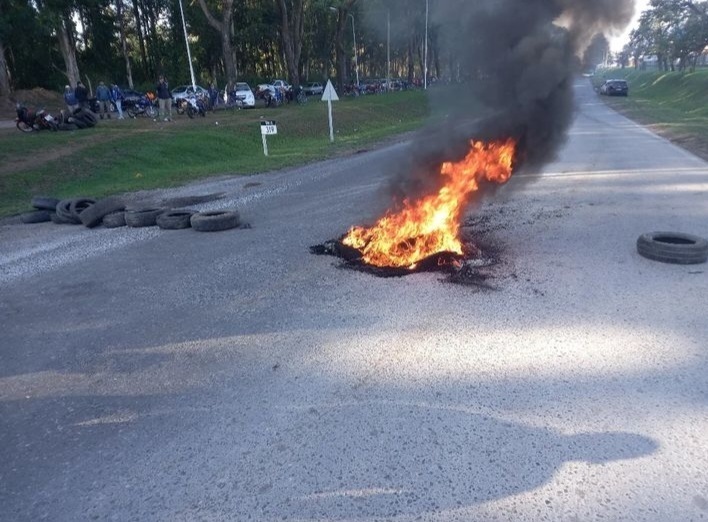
[
  {"x": 673, "y": 31},
  {"x": 49, "y": 43}
]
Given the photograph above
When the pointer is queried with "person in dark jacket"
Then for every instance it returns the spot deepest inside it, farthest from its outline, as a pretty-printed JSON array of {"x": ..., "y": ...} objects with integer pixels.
[
  {"x": 164, "y": 99},
  {"x": 81, "y": 94},
  {"x": 103, "y": 95}
]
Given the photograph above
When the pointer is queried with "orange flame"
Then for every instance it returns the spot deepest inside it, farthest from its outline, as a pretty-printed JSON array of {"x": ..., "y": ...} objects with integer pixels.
[{"x": 432, "y": 224}]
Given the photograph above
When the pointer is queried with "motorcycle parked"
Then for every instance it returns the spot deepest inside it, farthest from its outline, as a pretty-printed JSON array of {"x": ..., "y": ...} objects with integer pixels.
[
  {"x": 195, "y": 105},
  {"x": 28, "y": 121},
  {"x": 145, "y": 106}
]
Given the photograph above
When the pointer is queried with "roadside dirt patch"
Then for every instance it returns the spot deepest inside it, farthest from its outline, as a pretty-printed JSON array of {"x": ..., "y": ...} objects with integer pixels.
[{"x": 37, "y": 98}]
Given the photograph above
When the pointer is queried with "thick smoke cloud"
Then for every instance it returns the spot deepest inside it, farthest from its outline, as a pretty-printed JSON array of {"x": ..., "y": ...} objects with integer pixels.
[{"x": 519, "y": 59}]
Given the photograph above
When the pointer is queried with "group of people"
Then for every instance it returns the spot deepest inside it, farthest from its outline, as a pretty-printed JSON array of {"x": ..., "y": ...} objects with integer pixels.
[{"x": 78, "y": 98}]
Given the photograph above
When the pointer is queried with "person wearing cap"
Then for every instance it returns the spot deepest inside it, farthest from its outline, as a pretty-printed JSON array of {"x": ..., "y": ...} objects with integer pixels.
[
  {"x": 70, "y": 99},
  {"x": 103, "y": 95},
  {"x": 117, "y": 98},
  {"x": 164, "y": 98}
]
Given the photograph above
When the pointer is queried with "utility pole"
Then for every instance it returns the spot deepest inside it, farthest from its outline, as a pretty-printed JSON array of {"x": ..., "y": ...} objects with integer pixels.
[
  {"x": 388, "y": 49},
  {"x": 425, "y": 58},
  {"x": 189, "y": 54}
]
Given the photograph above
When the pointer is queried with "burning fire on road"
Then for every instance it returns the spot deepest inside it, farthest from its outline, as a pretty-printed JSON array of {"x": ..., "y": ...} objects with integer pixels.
[{"x": 518, "y": 60}]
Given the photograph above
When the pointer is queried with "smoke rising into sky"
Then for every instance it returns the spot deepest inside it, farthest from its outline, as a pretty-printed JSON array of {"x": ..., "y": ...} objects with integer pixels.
[{"x": 518, "y": 59}]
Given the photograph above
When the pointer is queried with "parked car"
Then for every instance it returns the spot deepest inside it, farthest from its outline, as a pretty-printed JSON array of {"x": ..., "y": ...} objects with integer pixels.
[
  {"x": 615, "y": 88},
  {"x": 262, "y": 88},
  {"x": 312, "y": 88},
  {"x": 184, "y": 91},
  {"x": 244, "y": 93}
]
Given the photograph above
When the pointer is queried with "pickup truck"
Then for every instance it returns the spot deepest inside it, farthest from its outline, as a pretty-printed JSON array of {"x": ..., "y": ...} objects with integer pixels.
[{"x": 272, "y": 86}]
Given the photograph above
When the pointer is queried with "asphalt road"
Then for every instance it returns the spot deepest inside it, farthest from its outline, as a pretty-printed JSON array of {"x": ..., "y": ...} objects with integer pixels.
[{"x": 179, "y": 376}]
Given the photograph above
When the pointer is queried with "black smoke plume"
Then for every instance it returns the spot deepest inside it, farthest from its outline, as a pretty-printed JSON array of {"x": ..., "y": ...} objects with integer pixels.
[{"x": 517, "y": 60}]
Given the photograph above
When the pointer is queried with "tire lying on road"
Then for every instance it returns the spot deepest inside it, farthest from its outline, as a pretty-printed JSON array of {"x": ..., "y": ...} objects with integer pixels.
[
  {"x": 38, "y": 216},
  {"x": 45, "y": 203},
  {"x": 215, "y": 221},
  {"x": 93, "y": 215},
  {"x": 175, "y": 219},
  {"x": 146, "y": 217},
  {"x": 114, "y": 220},
  {"x": 673, "y": 247}
]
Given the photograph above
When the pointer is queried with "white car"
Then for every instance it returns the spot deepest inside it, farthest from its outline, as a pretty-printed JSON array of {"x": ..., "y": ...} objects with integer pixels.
[
  {"x": 313, "y": 88},
  {"x": 185, "y": 91},
  {"x": 245, "y": 94},
  {"x": 275, "y": 84}
]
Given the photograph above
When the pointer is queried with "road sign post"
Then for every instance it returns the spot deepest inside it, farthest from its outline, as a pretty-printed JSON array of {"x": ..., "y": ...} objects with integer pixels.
[
  {"x": 268, "y": 128},
  {"x": 329, "y": 95}
]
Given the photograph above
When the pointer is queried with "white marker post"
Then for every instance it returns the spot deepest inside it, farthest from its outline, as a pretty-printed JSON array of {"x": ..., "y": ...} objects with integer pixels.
[
  {"x": 267, "y": 128},
  {"x": 329, "y": 95}
]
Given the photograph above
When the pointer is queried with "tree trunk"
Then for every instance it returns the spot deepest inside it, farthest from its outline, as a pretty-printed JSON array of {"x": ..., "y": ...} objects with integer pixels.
[
  {"x": 123, "y": 42},
  {"x": 340, "y": 54},
  {"x": 67, "y": 46},
  {"x": 141, "y": 36},
  {"x": 4, "y": 73},
  {"x": 225, "y": 29},
  {"x": 292, "y": 28}
]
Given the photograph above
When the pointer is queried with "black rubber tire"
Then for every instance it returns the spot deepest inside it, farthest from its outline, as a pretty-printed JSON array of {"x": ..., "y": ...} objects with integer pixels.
[
  {"x": 64, "y": 212},
  {"x": 24, "y": 127},
  {"x": 77, "y": 122},
  {"x": 85, "y": 116},
  {"x": 146, "y": 217},
  {"x": 175, "y": 219},
  {"x": 68, "y": 127},
  {"x": 44, "y": 203},
  {"x": 673, "y": 247},
  {"x": 94, "y": 214},
  {"x": 56, "y": 218},
  {"x": 215, "y": 221},
  {"x": 131, "y": 113},
  {"x": 38, "y": 216},
  {"x": 78, "y": 205},
  {"x": 114, "y": 219}
]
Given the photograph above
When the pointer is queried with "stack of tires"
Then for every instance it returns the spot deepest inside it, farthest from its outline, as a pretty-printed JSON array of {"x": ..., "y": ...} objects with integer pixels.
[
  {"x": 111, "y": 212},
  {"x": 79, "y": 119}
]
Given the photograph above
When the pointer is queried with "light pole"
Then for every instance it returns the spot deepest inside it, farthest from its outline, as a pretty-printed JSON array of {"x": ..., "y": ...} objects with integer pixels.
[
  {"x": 425, "y": 58},
  {"x": 189, "y": 54},
  {"x": 388, "y": 50},
  {"x": 356, "y": 60}
]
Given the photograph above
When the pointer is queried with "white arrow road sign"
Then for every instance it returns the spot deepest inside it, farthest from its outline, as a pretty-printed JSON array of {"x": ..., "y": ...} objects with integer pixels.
[{"x": 329, "y": 95}]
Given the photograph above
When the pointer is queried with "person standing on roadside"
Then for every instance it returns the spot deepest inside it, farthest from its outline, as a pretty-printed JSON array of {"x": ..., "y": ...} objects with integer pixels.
[
  {"x": 81, "y": 94},
  {"x": 103, "y": 95},
  {"x": 70, "y": 99},
  {"x": 164, "y": 98},
  {"x": 117, "y": 97}
]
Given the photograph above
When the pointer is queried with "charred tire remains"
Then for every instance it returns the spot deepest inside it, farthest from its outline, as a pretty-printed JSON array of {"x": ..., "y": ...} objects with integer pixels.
[
  {"x": 93, "y": 215},
  {"x": 673, "y": 247},
  {"x": 146, "y": 217},
  {"x": 175, "y": 219},
  {"x": 114, "y": 219},
  {"x": 215, "y": 221}
]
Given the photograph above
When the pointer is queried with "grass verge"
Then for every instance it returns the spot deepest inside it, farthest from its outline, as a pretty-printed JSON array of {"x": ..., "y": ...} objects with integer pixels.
[
  {"x": 672, "y": 104},
  {"x": 130, "y": 155}
]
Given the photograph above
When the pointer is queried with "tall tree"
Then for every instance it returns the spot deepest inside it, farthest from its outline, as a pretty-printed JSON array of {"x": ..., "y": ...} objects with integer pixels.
[
  {"x": 292, "y": 29},
  {"x": 225, "y": 27},
  {"x": 4, "y": 69},
  {"x": 343, "y": 13}
]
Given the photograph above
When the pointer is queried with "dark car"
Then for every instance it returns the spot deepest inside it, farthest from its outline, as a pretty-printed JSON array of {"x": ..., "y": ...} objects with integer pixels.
[{"x": 615, "y": 88}]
